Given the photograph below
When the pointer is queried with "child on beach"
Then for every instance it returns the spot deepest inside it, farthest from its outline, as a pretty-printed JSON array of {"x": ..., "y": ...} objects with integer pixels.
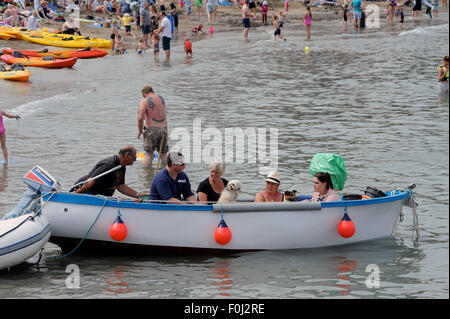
[
  {"x": 114, "y": 34},
  {"x": 435, "y": 8},
  {"x": 344, "y": 14},
  {"x": 120, "y": 45},
  {"x": 174, "y": 11},
  {"x": 187, "y": 47},
  {"x": 126, "y": 21},
  {"x": 307, "y": 22},
  {"x": 286, "y": 7},
  {"x": 280, "y": 19},
  {"x": 155, "y": 43},
  {"x": 3, "y": 134},
  {"x": 401, "y": 14},
  {"x": 162, "y": 6},
  {"x": 188, "y": 9},
  {"x": 276, "y": 25},
  {"x": 264, "y": 9},
  {"x": 197, "y": 30},
  {"x": 140, "y": 48}
]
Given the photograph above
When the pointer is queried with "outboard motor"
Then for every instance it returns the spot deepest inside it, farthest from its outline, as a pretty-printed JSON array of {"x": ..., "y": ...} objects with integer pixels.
[{"x": 39, "y": 182}]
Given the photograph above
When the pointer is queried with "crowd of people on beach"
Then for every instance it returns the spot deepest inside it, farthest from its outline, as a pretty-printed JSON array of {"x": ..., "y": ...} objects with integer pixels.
[{"x": 154, "y": 18}]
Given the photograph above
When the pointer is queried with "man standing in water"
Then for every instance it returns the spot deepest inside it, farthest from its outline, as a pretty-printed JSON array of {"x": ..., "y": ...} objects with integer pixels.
[
  {"x": 152, "y": 110},
  {"x": 166, "y": 32},
  {"x": 246, "y": 14}
]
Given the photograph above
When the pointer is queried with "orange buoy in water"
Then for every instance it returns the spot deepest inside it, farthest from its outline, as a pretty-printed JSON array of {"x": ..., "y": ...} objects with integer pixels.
[
  {"x": 118, "y": 230},
  {"x": 223, "y": 233},
  {"x": 346, "y": 227}
]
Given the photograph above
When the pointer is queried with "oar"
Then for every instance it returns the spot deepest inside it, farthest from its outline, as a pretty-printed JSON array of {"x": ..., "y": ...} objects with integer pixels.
[
  {"x": 98, "y": 176},
  {"x": 159, "y": 154}
]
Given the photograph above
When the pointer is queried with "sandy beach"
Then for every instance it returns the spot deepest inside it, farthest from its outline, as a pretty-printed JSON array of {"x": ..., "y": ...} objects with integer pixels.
[{"x": 229, "y": 18}]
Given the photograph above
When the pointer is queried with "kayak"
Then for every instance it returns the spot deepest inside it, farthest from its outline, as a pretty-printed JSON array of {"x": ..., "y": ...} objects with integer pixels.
[
  {"x": 64, "y": 54},
  {"x": 60, "y": 42},
  {"x": 102, "y": 43},
  {"x": 11, "y": 31},
  {"x": 44, "y": 37},
  {"x": 39, "y": 62},
  {"x": 5, "y": 36},
  {"x": 20, "y": 76}
]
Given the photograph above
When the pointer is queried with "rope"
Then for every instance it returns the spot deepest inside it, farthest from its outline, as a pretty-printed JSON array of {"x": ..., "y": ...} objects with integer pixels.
[
  {"x": 414, "y": 202},
  {"x": 23, "y": 222},
  {"x": 87, "y": 233}
]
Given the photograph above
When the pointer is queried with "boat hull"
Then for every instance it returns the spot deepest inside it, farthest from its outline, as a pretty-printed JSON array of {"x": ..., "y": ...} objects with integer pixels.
[
  {"x": 269, "y": 226},
  {"x": 21, "y": 238}
]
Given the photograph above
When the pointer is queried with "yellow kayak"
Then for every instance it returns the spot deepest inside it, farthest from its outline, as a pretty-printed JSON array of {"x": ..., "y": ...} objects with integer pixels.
[
  {"x": 20, "y": 74},
  {"x": 45, "y": 37},
  {"x": 11, "y": 31},
  {"x": 60, "y": 42},
  {"x": 5, "y": 36}
]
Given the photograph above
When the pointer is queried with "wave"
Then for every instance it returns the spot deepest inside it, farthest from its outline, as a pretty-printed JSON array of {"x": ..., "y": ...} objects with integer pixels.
[
  {"x": 37, "y": 105},
  {"x": 425, "y": 30}
]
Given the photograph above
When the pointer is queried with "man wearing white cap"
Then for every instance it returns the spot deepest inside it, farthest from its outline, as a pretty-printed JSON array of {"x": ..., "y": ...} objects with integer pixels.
[{"x": 271, "y": 193}]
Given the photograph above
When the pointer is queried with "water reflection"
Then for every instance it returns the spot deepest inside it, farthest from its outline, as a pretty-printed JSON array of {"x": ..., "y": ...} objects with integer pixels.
[
  {"x": 223, "y": 275},
  {"x": 345, "y": 269},
  {"x": 117, "y": 284}
]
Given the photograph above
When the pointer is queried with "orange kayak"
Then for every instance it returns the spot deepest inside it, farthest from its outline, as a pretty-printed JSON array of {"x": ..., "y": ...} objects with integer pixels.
[
  {"x": 40, "y": 62},
  {"x": 64, "y": 54}
]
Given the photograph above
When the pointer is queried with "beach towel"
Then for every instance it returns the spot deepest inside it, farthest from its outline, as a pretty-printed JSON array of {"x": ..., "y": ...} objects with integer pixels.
[{"x": 53, "y": 8}]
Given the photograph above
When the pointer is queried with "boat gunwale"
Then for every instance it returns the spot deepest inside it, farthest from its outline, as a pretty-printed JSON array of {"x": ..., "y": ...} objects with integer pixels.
[{"x": 96, "y": 200}]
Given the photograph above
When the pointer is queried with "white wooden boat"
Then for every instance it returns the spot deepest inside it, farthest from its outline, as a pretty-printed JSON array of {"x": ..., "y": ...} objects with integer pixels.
[
  {"x": 21, "y": 238},
  {"x": 84, "y": 221},
  {"x": 265, "y": 226}
]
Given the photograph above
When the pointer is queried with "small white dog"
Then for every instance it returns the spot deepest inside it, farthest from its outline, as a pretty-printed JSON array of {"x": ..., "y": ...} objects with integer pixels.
[{"x": 230, "y": 193}]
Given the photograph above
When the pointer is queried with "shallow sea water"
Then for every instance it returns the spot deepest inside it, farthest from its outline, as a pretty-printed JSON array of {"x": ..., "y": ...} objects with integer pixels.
[{"x": 369, "y": 96}]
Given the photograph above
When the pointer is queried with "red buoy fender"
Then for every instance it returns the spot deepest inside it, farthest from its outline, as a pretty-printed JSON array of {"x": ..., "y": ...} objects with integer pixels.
[
  {"x": 222, "y": 234},
  {"x": 346, "y": 227},
  {"x": 118, "y": 230}
]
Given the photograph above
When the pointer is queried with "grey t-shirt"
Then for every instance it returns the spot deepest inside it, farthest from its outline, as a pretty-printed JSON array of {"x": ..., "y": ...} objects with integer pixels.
[{"x": 146, "y": 16}]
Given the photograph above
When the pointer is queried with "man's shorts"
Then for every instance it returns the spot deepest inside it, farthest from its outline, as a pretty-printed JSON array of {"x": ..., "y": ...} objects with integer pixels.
[
  {"x": 166, "y": 43},
  {"x": 128, "y": 28},
  {"x": 246, "y": 22},
  {"x": 153, "y": 137},
  {"x": 145, "y": 29},
  {"x": 357, "y": 14}
]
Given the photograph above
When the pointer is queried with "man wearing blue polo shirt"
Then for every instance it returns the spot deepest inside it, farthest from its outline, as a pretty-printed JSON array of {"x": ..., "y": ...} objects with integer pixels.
[
  {"x": 357, "y": 12},
  {"x": 171, "y": 184}
]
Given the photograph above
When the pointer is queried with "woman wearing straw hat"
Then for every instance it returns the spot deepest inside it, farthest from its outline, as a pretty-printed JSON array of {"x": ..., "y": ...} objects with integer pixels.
[{"x": 271, "y": 193}]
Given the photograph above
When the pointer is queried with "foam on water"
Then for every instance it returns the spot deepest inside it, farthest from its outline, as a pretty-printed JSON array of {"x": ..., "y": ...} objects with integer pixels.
[
  {"x": 40, "y": 104},
  {"x": 425, "y": 30}
]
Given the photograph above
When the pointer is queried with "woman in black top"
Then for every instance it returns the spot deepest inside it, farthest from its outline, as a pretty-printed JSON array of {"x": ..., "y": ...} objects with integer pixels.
[{"x": 210, "y": 189}]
